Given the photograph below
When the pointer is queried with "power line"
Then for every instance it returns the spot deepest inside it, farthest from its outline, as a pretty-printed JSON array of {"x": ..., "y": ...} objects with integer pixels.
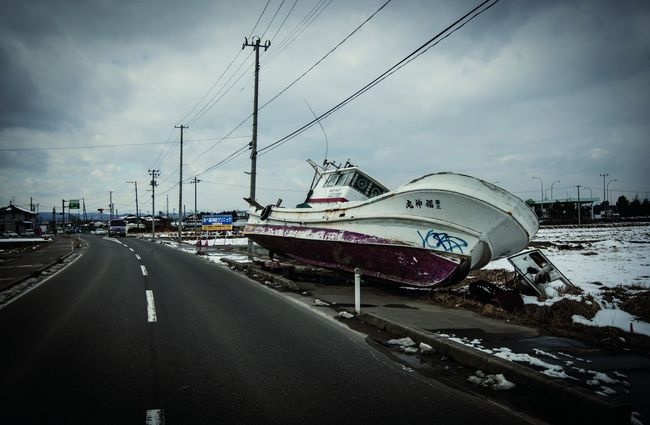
[
  {"x": 326, "y": 55},
  {"x": 224, "y": 138},
  {"x": 284, "y": 20},
  {"x": 423, "y": 48},
  {"x": 52, "y": 148},
  {"x": 160, "y": 160},
  {"x": 304, "y": 73},
  {"x": 234, "y": 59},
  {"x": 216, "y": 97},
  {"x": 302, "y": 26},
  {"x": 185, "y": 118},
  {"x": 271, "y": 21},
  {"x": 259, "y": 17},
  {"x": 246, "y": 186},
  {"x": 227, "y": 159},
  {"x": 305, "y": 23}
]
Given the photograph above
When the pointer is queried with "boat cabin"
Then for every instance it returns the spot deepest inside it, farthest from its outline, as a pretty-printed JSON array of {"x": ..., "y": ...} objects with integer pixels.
[{"x": 345, "y": 185}]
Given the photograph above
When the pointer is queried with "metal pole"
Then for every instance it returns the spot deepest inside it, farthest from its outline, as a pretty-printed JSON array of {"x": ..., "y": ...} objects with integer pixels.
[
  {"x": 609, "y": 194},
  {"x": 195, "y": 210},
  {"x": 578, "y": 204},
  {"x": 604, "y": 194},
  {"x": 552, "y": 184},
  {"x": 153, "y": 209},
  {"x": 180, "y": 189},
  {"x": 137, "y": 213},
  {"x": 357, "y": 290},
  {"x": 154, "y": 174}
]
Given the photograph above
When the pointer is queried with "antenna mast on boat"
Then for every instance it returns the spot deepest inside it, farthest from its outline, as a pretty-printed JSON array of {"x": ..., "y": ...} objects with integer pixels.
[{"x": 322, "y": 128}]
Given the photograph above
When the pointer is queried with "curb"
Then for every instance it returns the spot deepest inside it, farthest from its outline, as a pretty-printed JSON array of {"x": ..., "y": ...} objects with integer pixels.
[
  {"x": 572, "y": 402},
  {"x": 36, "y": 273},
  {"x": 279, "y": 280}
]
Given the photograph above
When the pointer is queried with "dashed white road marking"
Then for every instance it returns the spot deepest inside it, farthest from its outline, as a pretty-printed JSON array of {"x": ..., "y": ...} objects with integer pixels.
[
  {"x": 151, "y": 307},
  {"x": 154, "y": 417},
  {"x": 144, "y": 270},
  {"x": 138, "y": 257},
  {"x": 131, "y": 249}
]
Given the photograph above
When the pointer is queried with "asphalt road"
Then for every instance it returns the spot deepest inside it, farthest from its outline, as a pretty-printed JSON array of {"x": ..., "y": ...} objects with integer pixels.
[{"x": 92, "y": 345}]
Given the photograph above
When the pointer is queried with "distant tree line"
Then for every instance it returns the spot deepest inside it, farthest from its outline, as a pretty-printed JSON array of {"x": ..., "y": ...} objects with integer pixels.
[
  {"x": 634, "y": 208},
  {"x": 559, "y": 212}
]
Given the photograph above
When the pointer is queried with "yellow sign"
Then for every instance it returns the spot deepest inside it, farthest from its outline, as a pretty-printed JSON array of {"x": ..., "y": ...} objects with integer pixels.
[{"x": 216, "y": 227}]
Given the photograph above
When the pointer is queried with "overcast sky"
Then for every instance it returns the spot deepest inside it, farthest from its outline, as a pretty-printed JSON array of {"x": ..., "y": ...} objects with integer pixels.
[{"x": 91, "y": 91}]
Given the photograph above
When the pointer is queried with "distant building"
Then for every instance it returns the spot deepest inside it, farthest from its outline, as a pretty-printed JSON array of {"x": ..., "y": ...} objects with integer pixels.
[
  {"x": 16, "y": 219},
  {"x": 564, "y": 210}
]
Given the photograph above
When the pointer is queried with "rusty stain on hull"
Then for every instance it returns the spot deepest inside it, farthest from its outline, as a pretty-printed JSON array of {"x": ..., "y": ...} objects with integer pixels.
[{"x": 377, "y": 257}]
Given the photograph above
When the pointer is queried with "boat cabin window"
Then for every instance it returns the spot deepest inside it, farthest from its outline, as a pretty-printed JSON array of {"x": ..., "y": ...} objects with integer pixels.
[
  {"x": 356, "y": 180},
  {"x": 331, "y": 180},
  {"x": 339, "y": 179}
]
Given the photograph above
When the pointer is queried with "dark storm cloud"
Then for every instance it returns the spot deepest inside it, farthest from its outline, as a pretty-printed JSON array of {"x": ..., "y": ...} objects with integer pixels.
[
  {"x": 55, "y": 56},
  {"x": 554, "y": 89},
  {"x": 573, "y": 44},
  {"x": 35, "y": 20},
  {"x": 19, "y": 106}
]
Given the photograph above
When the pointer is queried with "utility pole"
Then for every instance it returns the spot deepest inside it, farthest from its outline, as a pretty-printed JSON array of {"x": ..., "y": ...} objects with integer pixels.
[
  {"x": 83, "y": 200},
  {"x": 63, "y": 214},
  {"x": 578, "y": 186},
  {"x": 255, "y": 44},
  {"x": 195, "y": 181},
  {"x": 180, "y": 187},
  {"x": 137, "y": 213},
  {"x": 153, "y": 174},
  {"x": 110, "y": 205}
]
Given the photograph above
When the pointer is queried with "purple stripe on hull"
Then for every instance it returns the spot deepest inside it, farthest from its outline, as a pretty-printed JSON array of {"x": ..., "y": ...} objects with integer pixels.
[{"x": 399, "y": 263}]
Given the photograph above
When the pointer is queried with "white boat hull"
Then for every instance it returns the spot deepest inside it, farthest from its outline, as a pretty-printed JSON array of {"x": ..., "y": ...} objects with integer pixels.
[{"x": 429, "y": 232}]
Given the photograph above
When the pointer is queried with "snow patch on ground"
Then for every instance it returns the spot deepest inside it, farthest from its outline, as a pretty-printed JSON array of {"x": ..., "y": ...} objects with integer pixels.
[
  {"x": 599, "y": 258},
  {"x": 496, "y": 382}
]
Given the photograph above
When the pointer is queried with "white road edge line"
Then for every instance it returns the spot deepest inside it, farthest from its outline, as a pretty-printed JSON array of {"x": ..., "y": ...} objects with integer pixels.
[
  {"x": 144, "y": 270},
  {"x": 151, "y": 307},
  {"x": 154, "y": 417},
  {"x": 36, "y": 285}
]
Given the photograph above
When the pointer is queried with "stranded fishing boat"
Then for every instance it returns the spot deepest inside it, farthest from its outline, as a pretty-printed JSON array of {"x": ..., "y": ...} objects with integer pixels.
[{"x": 429, "y": 232}]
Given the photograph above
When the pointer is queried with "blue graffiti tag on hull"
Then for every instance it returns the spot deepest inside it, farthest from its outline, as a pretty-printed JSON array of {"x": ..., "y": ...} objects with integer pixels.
[{"x": 442, "y": 240}]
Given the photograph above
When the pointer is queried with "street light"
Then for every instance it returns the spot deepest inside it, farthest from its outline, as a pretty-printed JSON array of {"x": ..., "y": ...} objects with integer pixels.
[
  {"x": 542, "y": 184},
  {"x": 608, "y": 193},
  {"x": 604, "y": 191},
  {"x": 552, "y": 184}
]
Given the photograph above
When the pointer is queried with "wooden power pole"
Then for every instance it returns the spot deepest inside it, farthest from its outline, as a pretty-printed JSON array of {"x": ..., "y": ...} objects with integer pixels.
[{"x": 255, "y": 43}]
